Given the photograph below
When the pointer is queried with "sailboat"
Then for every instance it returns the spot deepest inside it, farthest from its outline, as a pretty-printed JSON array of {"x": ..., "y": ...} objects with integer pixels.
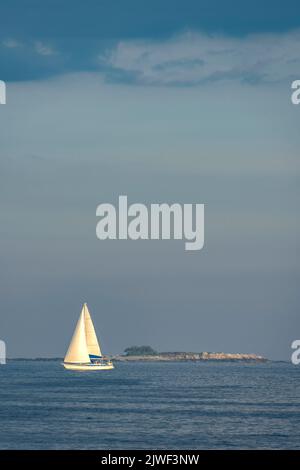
[{"x": 84, "y": 352}]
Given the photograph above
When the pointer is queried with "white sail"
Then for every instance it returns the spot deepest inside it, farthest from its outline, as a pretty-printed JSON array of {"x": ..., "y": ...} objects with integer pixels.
[
  {"x": 90, "y": 334},
  {"x": 78, "y": 351}
]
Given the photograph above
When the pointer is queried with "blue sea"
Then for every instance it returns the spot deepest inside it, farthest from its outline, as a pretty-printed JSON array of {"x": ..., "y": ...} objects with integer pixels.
[{"x": 176, "y": 405}]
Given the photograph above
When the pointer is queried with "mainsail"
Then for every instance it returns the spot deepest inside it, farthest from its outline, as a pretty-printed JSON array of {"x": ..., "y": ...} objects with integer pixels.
[{"x": 84, "y": 341}]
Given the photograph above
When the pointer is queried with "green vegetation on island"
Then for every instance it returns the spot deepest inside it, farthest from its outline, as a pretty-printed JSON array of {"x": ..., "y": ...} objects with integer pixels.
[{"x": 140, "y": 351}]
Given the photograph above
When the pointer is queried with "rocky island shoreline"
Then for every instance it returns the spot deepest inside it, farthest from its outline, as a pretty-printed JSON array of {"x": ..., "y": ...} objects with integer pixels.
[{"x": 146, "y": 353}]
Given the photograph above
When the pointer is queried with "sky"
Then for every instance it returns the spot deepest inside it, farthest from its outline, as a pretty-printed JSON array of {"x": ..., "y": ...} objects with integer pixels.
[{"x": 182, "y": 101}]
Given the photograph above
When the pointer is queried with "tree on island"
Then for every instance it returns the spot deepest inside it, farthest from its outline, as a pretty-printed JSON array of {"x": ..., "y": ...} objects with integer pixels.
[{"x": 140, "y": 351}]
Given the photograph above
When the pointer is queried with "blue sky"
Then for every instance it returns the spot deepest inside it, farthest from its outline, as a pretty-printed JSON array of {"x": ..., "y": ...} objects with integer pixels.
[
  {"x": 40, "y": 39},
  {"x": 165, "y": 102}
]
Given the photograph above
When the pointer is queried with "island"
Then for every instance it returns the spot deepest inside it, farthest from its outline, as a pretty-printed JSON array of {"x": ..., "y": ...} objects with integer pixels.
[{"x": 147, "y": 353}]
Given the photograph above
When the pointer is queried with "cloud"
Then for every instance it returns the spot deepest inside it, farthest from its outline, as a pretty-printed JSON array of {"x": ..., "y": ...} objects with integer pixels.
[
  {"x": 188, "y": 59},
  {"x": 38, "y": 47},
  {"x": 193, "y": 58},
  {"x": 43, "y": 49},
  {"x": 11, "y": 43}
]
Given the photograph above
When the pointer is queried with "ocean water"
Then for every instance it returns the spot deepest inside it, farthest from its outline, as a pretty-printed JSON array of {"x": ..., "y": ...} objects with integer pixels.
[{"x": 177, "y": 405}]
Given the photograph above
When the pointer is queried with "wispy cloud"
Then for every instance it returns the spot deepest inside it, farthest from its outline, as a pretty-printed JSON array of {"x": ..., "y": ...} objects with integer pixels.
[
  {"x": 43, "y": 49},
  {"x": 37, "y": 46},
  {"x": 11, "y": 43},
  {"x": 193, "y": 58}
]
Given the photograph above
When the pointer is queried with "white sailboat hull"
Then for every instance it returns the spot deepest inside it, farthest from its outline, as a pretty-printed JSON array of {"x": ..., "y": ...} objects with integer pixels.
[{"x": 88, "y": 367}]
